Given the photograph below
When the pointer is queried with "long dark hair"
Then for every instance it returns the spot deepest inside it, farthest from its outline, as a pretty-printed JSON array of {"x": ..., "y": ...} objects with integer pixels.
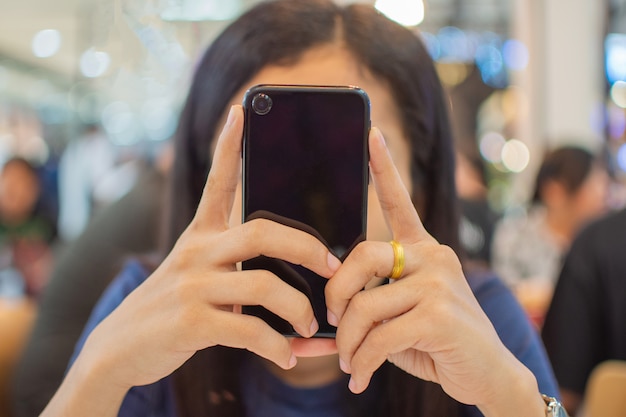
[{"x": 279, "y": 32}]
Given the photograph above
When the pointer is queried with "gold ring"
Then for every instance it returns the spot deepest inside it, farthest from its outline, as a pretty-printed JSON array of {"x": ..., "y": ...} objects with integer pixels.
[{"x": 398, "y": 260}]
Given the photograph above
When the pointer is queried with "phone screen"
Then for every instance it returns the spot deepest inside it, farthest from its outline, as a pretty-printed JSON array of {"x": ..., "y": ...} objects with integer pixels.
[{"x": 305, "y": 164}]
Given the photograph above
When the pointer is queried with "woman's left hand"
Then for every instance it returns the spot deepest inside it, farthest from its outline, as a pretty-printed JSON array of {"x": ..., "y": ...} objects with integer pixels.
[{"x": 428, "y": 322}]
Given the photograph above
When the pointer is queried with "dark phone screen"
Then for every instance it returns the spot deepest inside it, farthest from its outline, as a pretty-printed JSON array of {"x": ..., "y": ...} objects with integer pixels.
[{"x": 306, "y": 166}]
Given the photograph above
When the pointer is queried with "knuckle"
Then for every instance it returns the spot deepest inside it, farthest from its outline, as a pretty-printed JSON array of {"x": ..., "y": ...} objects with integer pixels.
[
  {"x": 188, "y": 317},
  {"x": 377, "y": 341},
  {"x": 362, "y": 252},
  {"x": 362, "y": 303},
  {"x": 185, "y": 251},
  {"x": 262, "y": 283},
  {"x": 255, "y": 229}
]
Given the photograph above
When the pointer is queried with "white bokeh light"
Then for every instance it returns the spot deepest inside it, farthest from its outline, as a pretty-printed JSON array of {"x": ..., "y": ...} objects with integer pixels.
[
  {"x": 46, "y": 43},
  {"x": 491, "y": 145},
  {"x": 117, "y": 117},
  {"x": 405, "y": 12},
  {"x": 515, "y": 155},
  {"x": 618, "y": 94},
  {"x": 94, "y": 63}
]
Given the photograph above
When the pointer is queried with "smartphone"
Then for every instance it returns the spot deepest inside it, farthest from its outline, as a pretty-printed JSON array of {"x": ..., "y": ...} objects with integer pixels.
[{"x": 305, "y": 165}]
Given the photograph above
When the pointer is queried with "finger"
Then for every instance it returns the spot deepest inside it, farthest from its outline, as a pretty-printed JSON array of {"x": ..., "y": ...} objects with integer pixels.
[
  {"x": 367, "y": 260},
  {"x": 265, "y": 237},
  {"x": 248, "y": 332},
  {"x": 367, "y": 310},
  {"x": 313, "y": 347},
  {"x": 260, "y": 287},
  {"x": 219, "y": 191},
  {"x": 383, "y": 340},
  {"x": 394, "y": 198}
]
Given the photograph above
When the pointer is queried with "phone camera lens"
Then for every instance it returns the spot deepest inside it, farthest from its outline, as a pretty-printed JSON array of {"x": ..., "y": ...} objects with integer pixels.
[{"x": 261, "y": 104}]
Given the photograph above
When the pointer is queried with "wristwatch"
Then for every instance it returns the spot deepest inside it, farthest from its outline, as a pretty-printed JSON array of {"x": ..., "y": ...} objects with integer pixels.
[{"x": 554, "y": 407}]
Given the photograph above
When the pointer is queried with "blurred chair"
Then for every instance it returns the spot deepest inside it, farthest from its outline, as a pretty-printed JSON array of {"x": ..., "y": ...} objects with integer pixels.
[
  {"x": 16, "y": 319},
  {"x": 605, "y": 395}
]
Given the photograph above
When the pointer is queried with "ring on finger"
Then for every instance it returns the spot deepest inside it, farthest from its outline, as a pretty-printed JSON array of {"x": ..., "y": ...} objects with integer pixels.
[{"x": 398, "y": 260}]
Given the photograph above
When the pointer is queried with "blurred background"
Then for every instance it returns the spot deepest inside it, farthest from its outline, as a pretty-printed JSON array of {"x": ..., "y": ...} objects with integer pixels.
[
  {"x": 90, "y": 92},
  {"x": 523, "y": 75}
]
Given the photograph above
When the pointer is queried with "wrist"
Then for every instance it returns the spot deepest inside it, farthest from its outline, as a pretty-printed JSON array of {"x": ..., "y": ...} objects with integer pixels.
[
  {"x": 86, "y": 390},
  {"x": 516, "y": 394}
]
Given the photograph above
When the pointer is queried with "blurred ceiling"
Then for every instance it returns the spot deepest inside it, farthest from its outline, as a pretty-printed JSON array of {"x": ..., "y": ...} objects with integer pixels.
[{"x": 128, "y": 29}]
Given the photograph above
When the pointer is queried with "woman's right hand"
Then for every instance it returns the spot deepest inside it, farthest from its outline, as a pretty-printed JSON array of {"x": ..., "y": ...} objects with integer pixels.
[{"x": 190, "y": 301}]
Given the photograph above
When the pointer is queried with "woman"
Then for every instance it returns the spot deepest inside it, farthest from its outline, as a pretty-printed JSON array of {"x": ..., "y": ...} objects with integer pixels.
[
  {"x": 426, "y": 326},
  {"x": 570, "y": 190}
]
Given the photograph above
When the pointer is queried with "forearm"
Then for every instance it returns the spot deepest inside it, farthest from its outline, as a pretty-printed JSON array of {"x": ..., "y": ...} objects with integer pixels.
[{"x": 86, "y": 390}]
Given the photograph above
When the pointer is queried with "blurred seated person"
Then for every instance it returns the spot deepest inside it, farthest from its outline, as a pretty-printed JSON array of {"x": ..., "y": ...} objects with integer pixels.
[
  {"x": 570, "y": 190},
  {"x": 84, "y": 164},
  {"x": 25, "y": 235},
  {"x": 128, "y": 226},
  {"x": 477, "y": 217},
  {"x": 586, "y": 321}
]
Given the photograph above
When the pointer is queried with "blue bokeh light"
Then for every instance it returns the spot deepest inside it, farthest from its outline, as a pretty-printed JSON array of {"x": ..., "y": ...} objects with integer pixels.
[
  {"x": 515, "y": 54},
  {"x": 615, "y": 46}
]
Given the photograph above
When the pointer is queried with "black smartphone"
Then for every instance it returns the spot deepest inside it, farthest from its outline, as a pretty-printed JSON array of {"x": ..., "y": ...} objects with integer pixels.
[{"x": 305, "y": 164}]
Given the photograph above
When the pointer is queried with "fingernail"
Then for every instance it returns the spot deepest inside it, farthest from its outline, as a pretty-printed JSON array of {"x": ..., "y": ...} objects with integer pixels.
[
  {"x": 292, "y": 361},
  {"x": 352, "y": 385},
  {"x": 231, "y": 116},
  {"x": 344, "y": 366},
  {"x": 331, "y": 318},
  {"x": 333, "y": 262},
  {"x": 314, "y": 327}
]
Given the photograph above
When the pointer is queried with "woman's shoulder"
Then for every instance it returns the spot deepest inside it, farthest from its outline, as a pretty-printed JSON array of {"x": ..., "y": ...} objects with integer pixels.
[{"x": 496, "y": 299}]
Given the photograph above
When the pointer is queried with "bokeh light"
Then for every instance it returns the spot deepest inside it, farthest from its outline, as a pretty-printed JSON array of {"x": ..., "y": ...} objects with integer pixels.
[
  {"x": 158, "y": 119},
  {"x": 616, "y": 57},
  {"x": 491, "y": 65},
  {"x": 454, "y": 45},
  {"x": 617, "y": 122},
  {"x": 618, "y": 94},
  {"x": 515, "y": 54},
  {"x": 407, "y": 13},
  {"x": 200, "y": 10},
  {"x": 432, "y": 44},
  {"x": 117, "y": 117},
  {"x": 46, "y": 43},
  {"x": 94, "y": 63},
  {"x": 515, "y": 155},
  {"x": 491, "y": 145}
]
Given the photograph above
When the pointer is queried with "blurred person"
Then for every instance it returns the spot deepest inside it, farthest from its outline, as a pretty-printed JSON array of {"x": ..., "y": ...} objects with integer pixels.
[
  {"x": 586, "y": 322},
  {"x": 25, "y": 260},
  {"x": 570, "y": 190},
  {"x": 161, "y": 339},
  {"x": 26, "y": 236},
  {"x": 84, "y": 163},
  {"x": 477, "y": 217},
  {"x": 84, "y": 268}
]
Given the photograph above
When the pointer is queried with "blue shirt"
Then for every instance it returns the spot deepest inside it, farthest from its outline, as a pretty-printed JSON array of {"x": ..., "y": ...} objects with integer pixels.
[{"x": 272, "y": 397}]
